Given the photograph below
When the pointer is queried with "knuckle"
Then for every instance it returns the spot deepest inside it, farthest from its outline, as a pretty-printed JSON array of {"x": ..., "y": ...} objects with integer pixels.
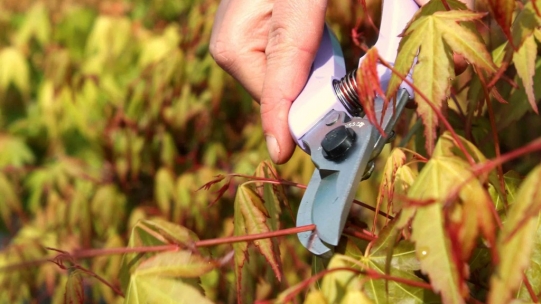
[
  {"x": 282, "y": 43},
  {"x": 222, "y": 52}
]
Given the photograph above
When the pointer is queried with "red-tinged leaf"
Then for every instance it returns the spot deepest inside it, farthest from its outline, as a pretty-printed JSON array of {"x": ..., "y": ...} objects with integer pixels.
[
  {"x": 502, "y": 11},
  {"x": 432, "y": 76},
  {"x": 251, "y": 207},
  {"x": 524, "y": 60},
  {"x": 183, "y": 264},
  {"x": 515, "y": 242},
  {"x": 369, "y": 86},
  {"x": 74, "y": 288}
]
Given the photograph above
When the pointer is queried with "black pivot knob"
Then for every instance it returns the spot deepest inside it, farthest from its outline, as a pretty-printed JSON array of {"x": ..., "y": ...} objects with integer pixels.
[{"x": 337, "y": 142}]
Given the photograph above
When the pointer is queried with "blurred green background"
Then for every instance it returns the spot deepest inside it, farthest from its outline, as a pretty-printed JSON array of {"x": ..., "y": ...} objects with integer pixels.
[{"x": 112, "y": 112}]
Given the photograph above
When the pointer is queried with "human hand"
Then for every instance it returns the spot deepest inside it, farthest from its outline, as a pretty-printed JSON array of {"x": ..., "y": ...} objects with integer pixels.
[{"x": 269, "y": 46}]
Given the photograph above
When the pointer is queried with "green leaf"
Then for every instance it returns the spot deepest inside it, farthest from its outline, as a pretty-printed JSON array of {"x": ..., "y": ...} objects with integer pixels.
[
  {"x": 152, "y": 289},
  {"x": 74, "y": 288},
  {"x": 524, "y": 60},
  {"x": 175, "y": 264},
  {"x": 13, "y": 70},
  {"x": 515, "y": 242}
]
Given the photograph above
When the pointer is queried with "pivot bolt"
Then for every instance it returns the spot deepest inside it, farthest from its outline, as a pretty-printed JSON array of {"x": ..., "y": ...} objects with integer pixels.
[{"x": 337, "y": 142}]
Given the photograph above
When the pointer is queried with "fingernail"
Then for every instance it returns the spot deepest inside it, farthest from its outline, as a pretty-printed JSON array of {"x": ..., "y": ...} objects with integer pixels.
[{"x": 272, "y": 146}]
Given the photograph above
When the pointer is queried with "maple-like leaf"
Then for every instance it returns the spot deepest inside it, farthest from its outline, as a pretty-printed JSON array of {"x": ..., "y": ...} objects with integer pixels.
[
  {"x": 502, "y": 11},
  {"x": 524, "y": 60},
  {"x": 434, "y": 39},
  {"x": 445, "y": 233},
  {"x": 515, "y": 243}
]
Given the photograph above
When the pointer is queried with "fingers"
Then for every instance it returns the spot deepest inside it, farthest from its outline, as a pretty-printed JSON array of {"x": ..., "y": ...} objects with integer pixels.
[
  {"x": 238, "y": 40},
  {"x": 293, "y": 39},
  {"x": 469, "y": 3}
]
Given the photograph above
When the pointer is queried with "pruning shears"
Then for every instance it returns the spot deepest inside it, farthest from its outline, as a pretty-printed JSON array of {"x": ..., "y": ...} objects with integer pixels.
[{"x": 327, "y": 121}]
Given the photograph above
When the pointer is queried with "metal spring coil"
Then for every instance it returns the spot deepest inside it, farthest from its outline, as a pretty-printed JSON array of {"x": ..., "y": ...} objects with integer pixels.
[{"x": 346, "y": 92}]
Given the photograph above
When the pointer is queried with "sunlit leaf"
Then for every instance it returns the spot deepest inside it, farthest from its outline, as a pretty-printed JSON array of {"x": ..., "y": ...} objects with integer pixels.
[
  {"x": 524, "y": 60},
  {"x": 315, "y": 297},
  {"x": 13, "y": 70},
  {"x": 153, "y": 289},
  {"x": 175, "y": 264},
  {"x": 518, "y": 233},
  {"x": 355, "y": 297}
]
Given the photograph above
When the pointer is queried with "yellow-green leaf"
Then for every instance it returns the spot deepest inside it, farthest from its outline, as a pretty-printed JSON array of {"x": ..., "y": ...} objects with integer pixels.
[
  {"x": 524, "y": 60},
  {"x": 516, "y": 240},
  {"x": 152, "y": 289},
  {"x": 13, "y": 70},
  {"x": 184, "y": 264},
  {"x": 437, "y": 180},
  {"x": 355, "y": 297}
]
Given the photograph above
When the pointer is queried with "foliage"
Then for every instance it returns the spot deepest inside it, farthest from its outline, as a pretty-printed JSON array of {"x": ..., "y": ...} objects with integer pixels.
[{"x": 132, "y": 168}]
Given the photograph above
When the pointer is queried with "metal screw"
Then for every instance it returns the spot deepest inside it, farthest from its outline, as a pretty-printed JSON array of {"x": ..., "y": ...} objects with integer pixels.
[
  {"x": 332, "y": 118},
  {"x": 337, "y": 142}
]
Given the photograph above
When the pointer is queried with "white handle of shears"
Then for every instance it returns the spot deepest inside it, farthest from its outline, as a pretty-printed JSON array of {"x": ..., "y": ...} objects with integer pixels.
[
  {"x": 318, "y": 97},
  {"x": 394, "y": 17}
]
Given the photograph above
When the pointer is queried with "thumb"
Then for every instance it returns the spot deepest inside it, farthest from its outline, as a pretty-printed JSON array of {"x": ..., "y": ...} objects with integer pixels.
[{"x": 295, "y": 32}]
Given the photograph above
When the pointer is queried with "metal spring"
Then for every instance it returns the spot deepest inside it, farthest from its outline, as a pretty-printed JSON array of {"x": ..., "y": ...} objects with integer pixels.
[{"x": 346, "y": 91}]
